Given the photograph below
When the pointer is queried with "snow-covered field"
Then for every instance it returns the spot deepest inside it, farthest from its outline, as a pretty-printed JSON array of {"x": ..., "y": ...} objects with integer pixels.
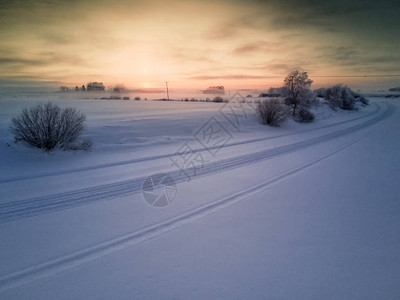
[{"x": 304, "y": 211}]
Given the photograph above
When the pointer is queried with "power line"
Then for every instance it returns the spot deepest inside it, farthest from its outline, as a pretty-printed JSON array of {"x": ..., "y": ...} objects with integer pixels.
[
  {"x": 357, "y": 76},
  {"x": 166, "y": 85}
]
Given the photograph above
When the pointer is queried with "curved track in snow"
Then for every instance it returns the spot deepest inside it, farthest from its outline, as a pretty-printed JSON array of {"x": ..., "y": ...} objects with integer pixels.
[
  {"x": 41, "y": 205},
  {"x": 161, "y": 156},
  {"x": 77, "y": 258}
]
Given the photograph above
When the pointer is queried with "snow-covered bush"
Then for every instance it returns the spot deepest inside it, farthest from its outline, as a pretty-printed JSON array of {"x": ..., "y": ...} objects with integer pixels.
[
  {"x": 272, "y": 112},
  {"x": 348, "y": 100},
  {"x": 314, "y": 101},
  {"x": 321, "y": 92},
  {"x": 47, "y": 126},
  {"x": 362, "y": 99},
  {"x": 333, "y": 96},
  {"x": 304, "y": 116},
  {"x": 341, "y": 96},
  {"x": 358, "y": 97}
]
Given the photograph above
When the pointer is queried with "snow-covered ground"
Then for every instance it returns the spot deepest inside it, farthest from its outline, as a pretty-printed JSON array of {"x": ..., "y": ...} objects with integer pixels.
[{"x": 304, "y": 211}]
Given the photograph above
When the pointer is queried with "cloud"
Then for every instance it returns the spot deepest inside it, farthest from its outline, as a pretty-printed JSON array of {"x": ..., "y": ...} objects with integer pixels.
[
  {"x": 339, "y": 54},
  {"x": 233, "y": 25},
  {"x": 26, "y": 81},
  {"x": 56, "y": 38},
  {"x": 230, "y": 77},
  {"x": 221, "y": 31},
  {"x": 321, "y": 15},
  {"x": 5, "y": 61},
  {"x": 258, "y": 46},
  {"x": 213, "y": 39},
  {"x": 190, "y": 54},
  {"x": 358, "y": 19},
  {"x": 356, "y": 59},
  {"x": 47, "y": 58}
]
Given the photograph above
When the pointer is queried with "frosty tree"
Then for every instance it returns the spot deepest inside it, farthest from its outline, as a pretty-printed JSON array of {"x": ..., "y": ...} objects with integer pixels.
[{"x": 298, "y": 90}]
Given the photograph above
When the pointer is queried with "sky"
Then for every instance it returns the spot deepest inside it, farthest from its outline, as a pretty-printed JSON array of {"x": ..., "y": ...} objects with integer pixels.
[{"x": 195, "y": 44}]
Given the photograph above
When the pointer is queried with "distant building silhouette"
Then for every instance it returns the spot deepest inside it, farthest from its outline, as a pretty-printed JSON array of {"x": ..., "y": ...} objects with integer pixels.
[
  {"x": 219, "y": 89},
  {"x": 95, "y": 86},
  {"x": 119, "y": 89}
]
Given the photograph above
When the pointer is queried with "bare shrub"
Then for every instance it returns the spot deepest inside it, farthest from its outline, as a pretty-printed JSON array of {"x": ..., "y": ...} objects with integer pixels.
[
  {"x": 47, "y": 126},
  {"x": 218, "y": 99},
  {"x": 304, "y": 116},
  {"x": 272, "y": 112}
]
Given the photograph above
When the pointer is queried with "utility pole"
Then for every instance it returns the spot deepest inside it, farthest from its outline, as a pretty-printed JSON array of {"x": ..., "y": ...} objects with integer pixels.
[{"x": 166, "y": 85}]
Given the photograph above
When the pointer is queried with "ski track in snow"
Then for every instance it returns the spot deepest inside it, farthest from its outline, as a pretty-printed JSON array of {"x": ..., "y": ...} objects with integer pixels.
[
  {"x": 161, "y": 156},
  {"x": 41, "y": 205},
  {"x": 75, "y": 259}
]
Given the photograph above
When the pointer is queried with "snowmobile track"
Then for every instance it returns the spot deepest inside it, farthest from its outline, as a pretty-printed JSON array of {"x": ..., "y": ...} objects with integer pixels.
[
  {"x": 161, "y": 156},
  {"x": 15, "y": 210},
  {"x": 77, "y": 258}
]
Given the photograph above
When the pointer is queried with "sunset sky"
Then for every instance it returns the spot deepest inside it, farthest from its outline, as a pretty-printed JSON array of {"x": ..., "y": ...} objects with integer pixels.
[{"x": 194, "y": 44}]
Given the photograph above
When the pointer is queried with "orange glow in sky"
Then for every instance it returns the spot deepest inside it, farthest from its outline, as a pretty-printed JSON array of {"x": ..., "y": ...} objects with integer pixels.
[{"x": 192, "y": 44}]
